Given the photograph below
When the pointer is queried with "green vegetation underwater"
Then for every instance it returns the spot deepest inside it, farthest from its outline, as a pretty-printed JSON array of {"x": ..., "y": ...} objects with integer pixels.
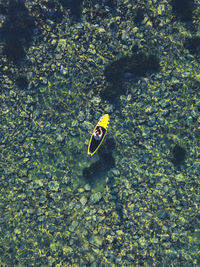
[{"x": 63, "y": 65}]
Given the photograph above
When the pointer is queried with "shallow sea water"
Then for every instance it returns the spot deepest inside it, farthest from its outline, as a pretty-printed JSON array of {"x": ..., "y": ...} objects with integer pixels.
[{"x": 136, "y": 201}]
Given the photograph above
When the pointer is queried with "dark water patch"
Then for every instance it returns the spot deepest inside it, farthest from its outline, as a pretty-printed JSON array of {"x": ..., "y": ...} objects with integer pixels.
[
  {"x": 135, "y": 49},
  {"x": 110, "y": 3},
  {"x": 3, "y": 7},
  {"x": 14, "y": 50},
  {"x": 178, "y": 155},
  {"x": 51, "y": 10},
  {"x": 93, "y": 171},
  {"x": 138, "y": 64},
  {"x": 139, "y": 16},
  {"x": 113, "y": 26},
  {"x": 21, "y": 82},
  {"x": 17, "y": 30},
  {"x": 193, "y": 45},
  {"x": 98, "y": 170},
  {"x": 108, "y": 146},
  {"x": 183, "y": 9},
  {"x": 50, "y": 4},
  {"x": 75, "y": 7}
]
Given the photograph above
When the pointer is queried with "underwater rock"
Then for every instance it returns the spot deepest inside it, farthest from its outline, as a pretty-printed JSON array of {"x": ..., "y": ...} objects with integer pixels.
[
  {"x": 53, "y": 185},
  {"x": 197, "y": 165},
  {"x": 60, "y": 138},
  {"x": 151, "y": 120},
  {"x": 115, "y": 172},
  {"x": 66, "y": 180},
  {"x": 81, "y": 116},
  {"x": 143, "y": 241},
  {"x": 195, "y": 112},
  {"x": 17, "y": 30},
  {"x": 108, "y": 109},
  {"x": 73, "y": 226},
  {"x": 41, "y": 218},
  {"x": 83, "y": 201},
  {"x": 138, "y": 64},
  {"x": 180, "y": 177},
  {"x": 164, "y": 103},
  {"x": 155, "y": 240},
  {"x": 96, "y": 240},
  {"x": 81, "y": 190},
  {"x": 161, "y": 214},
  {"x": 86, "y": 125},
  {"x": 95, "y": 198},
  {"x": 38, "y": 184},
  {"x": 145, "y": 132},
  {"x": 166, "y": 188},
  {"x": 87, "y": 187},
  {"x": 42, "y": 199},
  {"x": 96, "y": 101}
]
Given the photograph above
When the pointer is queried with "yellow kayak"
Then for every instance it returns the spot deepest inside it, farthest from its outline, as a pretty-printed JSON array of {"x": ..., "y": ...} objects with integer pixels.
[{"x": 95, "y": 142}]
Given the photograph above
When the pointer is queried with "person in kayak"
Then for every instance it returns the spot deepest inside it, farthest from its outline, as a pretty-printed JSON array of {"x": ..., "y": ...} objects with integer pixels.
[{"x": 98, "y": 133}]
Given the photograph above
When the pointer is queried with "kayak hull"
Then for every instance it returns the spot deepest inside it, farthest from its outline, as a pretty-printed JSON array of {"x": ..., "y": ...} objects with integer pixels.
[{"x": 95, "y": 144}]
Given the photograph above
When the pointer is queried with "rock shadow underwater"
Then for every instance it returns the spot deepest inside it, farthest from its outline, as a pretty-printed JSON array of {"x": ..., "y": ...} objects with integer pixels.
[
  {"x": 98, "y": 170},
  {"x": 75, "y": 7},
  {"x": 135, "y": 66},
  {"x": 193, "y": 45},
  {"x": 17, "y": 30},
  {"x": 183, "y": 9},
  {"x": 178, "y": 155}
]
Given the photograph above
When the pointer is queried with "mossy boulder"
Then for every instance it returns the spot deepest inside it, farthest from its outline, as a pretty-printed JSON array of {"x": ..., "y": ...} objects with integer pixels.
[{"x": 95, "y": 198}]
